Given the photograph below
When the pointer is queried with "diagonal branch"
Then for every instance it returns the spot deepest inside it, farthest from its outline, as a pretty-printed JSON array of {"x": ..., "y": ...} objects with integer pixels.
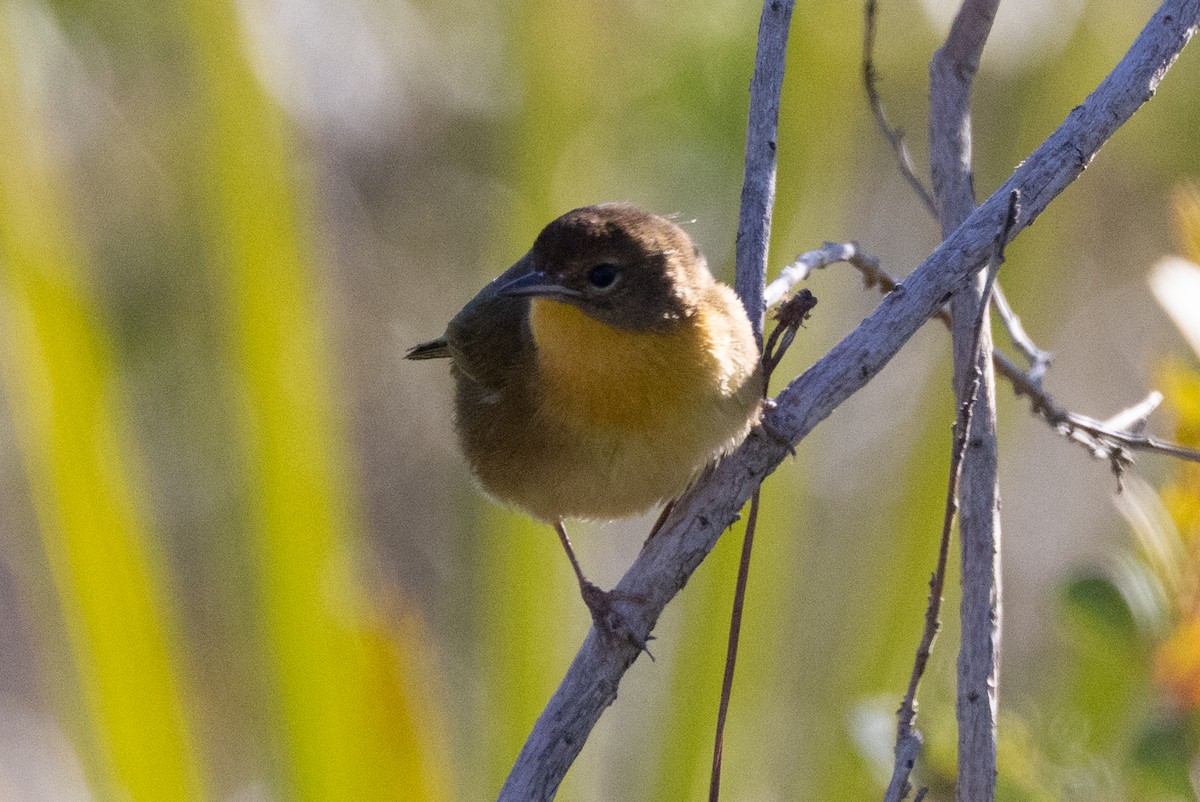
[{"x": 703, "y": 513}]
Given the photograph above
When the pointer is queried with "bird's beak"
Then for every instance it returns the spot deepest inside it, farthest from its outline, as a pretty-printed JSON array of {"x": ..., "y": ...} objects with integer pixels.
[{"x": 535, "y": 283}]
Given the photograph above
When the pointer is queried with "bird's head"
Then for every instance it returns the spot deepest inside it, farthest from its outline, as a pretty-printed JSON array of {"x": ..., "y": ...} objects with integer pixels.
[{"x": 618, "y": 264}]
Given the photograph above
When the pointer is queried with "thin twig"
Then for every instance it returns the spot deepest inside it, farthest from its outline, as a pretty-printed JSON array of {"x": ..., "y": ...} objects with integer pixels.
[
  {"x": 1108, "y": 440},
  {"x": 1039, "y": 360},
  {"x": 703, "y": 512},
  {"x": 894, "y": 136},
  {"x": 830, "y": 253},
  {"x": 753, "y": 239}
]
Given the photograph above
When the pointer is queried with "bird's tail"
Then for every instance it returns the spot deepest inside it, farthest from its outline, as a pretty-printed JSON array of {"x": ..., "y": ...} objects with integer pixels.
[{"x": 434, "y": 349}]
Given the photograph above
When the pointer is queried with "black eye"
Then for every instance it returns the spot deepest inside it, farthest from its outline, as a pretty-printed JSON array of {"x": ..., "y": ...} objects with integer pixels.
[{"x": 602, "y": 275}]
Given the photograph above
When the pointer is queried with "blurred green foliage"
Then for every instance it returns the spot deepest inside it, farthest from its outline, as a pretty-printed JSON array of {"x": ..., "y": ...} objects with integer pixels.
[{"x": 240, "y": 558}]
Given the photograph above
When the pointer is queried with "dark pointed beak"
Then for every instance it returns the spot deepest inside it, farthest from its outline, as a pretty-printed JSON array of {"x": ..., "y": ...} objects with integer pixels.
[{"x": 537, "y": 284}]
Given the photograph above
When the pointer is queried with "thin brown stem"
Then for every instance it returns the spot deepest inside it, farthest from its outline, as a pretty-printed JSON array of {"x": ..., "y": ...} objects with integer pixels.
[
  {"x": 908, "y": 740},
  {"x": 791, "y": 316},
  {"x": 735, "y": 628},
  {"x": 894, "y": 135}
]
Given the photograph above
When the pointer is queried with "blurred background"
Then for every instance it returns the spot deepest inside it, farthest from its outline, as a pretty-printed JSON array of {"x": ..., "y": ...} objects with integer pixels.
[{"x": 240, "y": 557}]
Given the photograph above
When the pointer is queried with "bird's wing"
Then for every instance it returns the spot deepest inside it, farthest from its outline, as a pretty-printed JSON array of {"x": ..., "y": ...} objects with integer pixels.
[{"x": 489, "y": 339}]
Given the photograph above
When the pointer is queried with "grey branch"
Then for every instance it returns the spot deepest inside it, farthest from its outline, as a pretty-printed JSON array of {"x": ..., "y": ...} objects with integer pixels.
[
  {"x": 1039, "y": 360},
  {"x": 709, "y": 507},
  {"x": 830, "y": 253},
  {"x": 951, "y": 74},
  {"x": 758, "y": 183}
]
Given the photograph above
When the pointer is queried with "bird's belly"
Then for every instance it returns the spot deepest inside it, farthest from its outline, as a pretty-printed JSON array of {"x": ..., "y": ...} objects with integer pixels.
[
  {"x": 619, "y": 475},
  {"x": 599, "y": 476},
  {"x": 558, "y": 467}
]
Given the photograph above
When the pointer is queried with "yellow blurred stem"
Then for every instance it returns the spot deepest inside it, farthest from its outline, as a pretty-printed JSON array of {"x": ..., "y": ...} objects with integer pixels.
[
  {"x": 59, "y": 376},
  {"x": 339, "y": 683},
  {"x": 1186, "y": 202}
]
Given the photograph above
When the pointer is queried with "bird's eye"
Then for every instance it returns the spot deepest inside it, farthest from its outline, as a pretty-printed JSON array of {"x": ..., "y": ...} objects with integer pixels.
[{"x": 602, "y": 276}]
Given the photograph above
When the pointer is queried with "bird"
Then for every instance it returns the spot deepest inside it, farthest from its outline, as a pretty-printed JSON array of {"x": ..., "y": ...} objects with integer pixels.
[{"x": 599, "y": 375}]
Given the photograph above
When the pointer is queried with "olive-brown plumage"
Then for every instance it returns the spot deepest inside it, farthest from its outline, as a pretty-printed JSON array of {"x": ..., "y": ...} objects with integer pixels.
[{"x": 600, "y": 373}]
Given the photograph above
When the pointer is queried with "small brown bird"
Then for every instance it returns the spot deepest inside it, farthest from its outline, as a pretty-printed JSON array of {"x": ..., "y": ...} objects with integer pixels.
[{"x": 601, "y": 373}]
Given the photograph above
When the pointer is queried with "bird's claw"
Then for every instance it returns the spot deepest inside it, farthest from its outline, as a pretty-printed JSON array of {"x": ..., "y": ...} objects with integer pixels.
[{"x": 770, "y": 431}]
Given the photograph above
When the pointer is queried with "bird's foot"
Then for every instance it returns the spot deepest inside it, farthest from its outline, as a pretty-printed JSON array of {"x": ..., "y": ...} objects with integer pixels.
[
  {"x": 770, "y": 431},
  {"x": 608, "y": 620}
]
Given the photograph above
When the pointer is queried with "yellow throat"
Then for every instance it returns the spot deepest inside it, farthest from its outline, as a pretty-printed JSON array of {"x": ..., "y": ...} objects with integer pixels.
[{"x": 593, "y": 374}]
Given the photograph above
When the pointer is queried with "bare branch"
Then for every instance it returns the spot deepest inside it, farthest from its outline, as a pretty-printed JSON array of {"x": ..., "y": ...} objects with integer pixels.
[
  {"x": 951, "y": 73},
  {"x": 758, "y": 184},
  {"x": 703, "y": 513},
  {"x": 908, "y": 740},
  {"x": 908, "y": 749},
  {"x": 830, "y": 253},
  {"x": 1039, "y": 360},
  {"x": 1135, "y": 418}
]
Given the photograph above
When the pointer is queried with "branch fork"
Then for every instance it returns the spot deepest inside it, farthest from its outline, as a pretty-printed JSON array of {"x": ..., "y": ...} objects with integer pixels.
[{"x": 701, "y": 515}]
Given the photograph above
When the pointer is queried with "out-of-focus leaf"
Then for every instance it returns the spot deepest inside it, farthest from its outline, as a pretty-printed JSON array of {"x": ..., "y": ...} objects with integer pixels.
[
  {"x": 60, "y": 376},
  {"x": 404, "y": 682},
  {"x": 1181, "y": 385},
  {"x": 1162, "y": 760},
  {"x": 1095, "y": 604},
  {"x": 1186, "y": 202},
  {"x": 1108, "y": 666},
  {"x": 1177, "y": 665},
  {"x": 1176, "y": 285},
  {"x": 1162, "y": 549},
  {"x": 340, "y": 713}
]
